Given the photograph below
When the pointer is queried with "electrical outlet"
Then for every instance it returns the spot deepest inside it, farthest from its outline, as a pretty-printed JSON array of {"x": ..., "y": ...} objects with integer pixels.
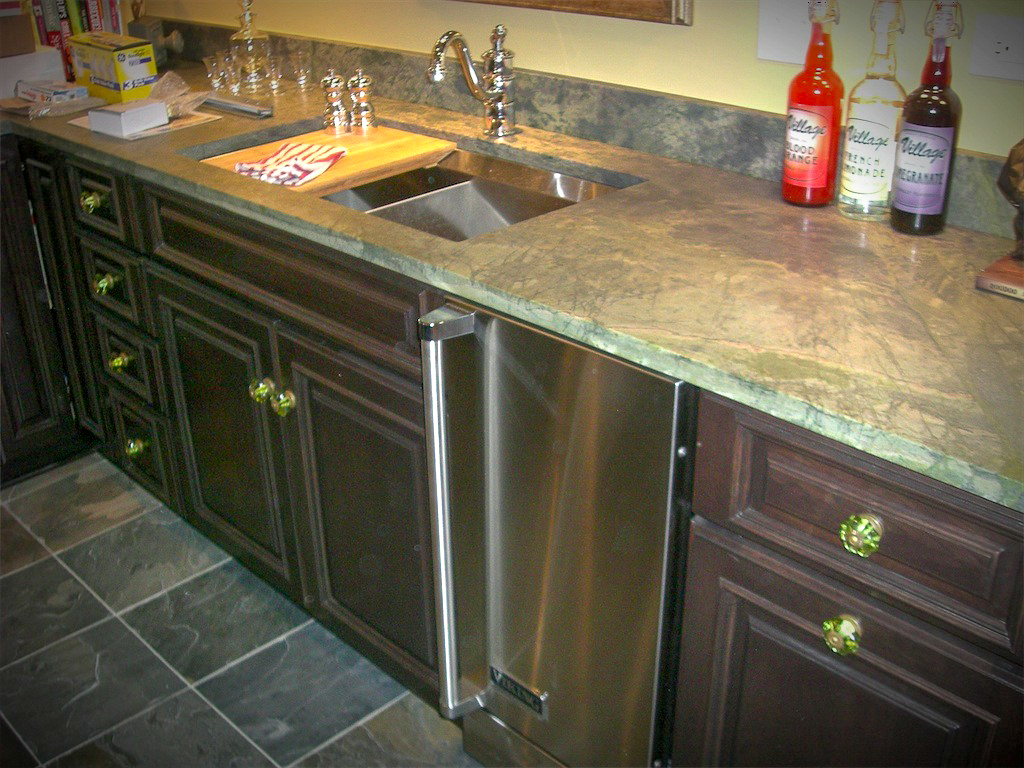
[{"x": 998, "y": 47}]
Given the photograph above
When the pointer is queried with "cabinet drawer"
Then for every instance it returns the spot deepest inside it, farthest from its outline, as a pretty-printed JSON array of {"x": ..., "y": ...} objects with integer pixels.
[
  {"x": 130, "y": 359},
  {"x": 942, "y": 554},
  {"x": 142, "y": 446},
  {"x": 113, "y": 279},
  {"x": 758, "y": 685},
  {"x": 100, "y": 201},
  {"x": 369, "y": 310}
]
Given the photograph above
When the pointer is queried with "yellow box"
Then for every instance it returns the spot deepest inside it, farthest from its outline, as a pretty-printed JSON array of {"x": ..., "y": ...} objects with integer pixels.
[{"x": 113, "y": 67}]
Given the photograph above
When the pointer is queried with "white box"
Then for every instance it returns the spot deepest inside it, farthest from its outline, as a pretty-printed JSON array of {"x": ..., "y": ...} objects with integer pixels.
[
  {"x": 128, "y": 117},
  {"x": 41, "y": 90}
]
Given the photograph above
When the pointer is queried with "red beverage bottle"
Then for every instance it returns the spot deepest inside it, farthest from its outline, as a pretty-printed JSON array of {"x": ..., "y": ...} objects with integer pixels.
[{"x": 813, "y": 118}]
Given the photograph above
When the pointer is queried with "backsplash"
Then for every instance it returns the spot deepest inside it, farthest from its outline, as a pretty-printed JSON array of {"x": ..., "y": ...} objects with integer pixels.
[{"x": 693, "y": 131}]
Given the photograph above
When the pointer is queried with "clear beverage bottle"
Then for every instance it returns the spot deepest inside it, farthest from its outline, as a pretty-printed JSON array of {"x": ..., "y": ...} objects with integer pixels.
[
  {"x": 927, "y": 143},
  {"x": 813, "y": 117},
  {"x": 873, "y": 117}
]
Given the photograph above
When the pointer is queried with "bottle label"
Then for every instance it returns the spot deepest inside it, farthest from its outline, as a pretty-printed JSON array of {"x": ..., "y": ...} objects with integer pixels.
[
  {"x": 923, "y": 156},
  {"x": 807, "y": 142},
  {"x": 869, "y": 153}
]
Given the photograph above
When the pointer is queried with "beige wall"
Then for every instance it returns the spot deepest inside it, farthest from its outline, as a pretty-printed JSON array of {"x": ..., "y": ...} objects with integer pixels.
[{"x": 716, "y": 59}]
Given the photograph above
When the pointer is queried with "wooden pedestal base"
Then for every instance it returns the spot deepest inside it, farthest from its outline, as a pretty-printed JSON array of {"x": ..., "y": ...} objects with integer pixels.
[{"x": 1004, "y": 276}]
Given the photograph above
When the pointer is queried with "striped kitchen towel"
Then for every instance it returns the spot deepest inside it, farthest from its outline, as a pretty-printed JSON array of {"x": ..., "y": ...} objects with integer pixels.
[{"x": 293, "y": 163}]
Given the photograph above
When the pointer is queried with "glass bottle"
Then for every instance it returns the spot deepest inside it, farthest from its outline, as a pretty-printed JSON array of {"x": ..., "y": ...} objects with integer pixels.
[
  {"x": 812, "y": 119},
  {"x": 927, "y": 144},
  {"x": 250, "y": 49},
  {"x": 872, "y": 123}
]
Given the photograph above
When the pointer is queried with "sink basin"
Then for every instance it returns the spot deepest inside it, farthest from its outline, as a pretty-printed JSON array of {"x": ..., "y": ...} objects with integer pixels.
[{"x": 468, "y": 194}]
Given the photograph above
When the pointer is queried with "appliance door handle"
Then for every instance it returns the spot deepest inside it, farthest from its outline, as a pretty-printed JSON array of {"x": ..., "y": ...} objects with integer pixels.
[{"x": 458, "y": 697}]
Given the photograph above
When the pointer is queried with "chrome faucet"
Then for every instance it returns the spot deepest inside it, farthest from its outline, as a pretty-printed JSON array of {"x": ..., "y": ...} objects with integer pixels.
[{"x": 494, "y": 89}]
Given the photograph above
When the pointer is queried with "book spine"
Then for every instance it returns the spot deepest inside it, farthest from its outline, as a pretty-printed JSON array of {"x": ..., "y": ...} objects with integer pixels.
[
  {"x": 65, "y": 39},
  {"x": 95, "y": 16},
  {"x": 74, "y": 17},
  {"x": 37, "y": 14},
  {"x": 115, "y": 16},
  {"x": 986, "y": 283}
]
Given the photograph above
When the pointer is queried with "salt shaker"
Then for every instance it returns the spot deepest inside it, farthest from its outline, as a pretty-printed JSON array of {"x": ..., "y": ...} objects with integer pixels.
[
  {"x": 360, "y": 87},
  {"x": 336, "y": 116}
]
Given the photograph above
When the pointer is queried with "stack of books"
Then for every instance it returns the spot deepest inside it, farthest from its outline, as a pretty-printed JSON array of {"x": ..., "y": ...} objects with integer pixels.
[{"x": 57, "y": 20}]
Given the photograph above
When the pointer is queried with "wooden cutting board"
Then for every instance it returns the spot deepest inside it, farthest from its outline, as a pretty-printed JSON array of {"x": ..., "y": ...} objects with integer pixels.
[{"x": 384, "y": 152}]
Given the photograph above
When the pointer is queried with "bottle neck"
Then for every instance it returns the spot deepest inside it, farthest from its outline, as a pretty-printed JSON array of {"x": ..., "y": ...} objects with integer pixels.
[
  {"x": 938, "y": 67},
  {"x": 819, "y": 52},
  {"x": 882, "y": 64}
]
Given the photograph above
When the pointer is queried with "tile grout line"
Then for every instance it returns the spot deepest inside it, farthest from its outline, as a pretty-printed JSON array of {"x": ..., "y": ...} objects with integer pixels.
[
  {"x": 346, "y": 731},
  {"x": 113, "y": 614},
  {"x": 249, "y": 654},
  {"x": 131, "y": 630},
  {"x": 20, "y": 739},
  {"x": 145, "y": 711},
  {"x": 165, "y": 590},
  {"x": 175, "y": 672},
  {"x": 59, "y": 474}
]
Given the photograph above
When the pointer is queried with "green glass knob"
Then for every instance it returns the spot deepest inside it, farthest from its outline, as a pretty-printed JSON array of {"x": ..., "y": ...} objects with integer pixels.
[
  {"x": 842, "y": 634},
  {"x": 135, "y": 447},
  {"x": 104, "y": 284},
  {"x": 92, "y": 201},
  {"x": 861, "y": 534},
  {"x": 283, "y": 403},
  {"x": 118, "y": 362},
  {"x": 261, "y": 391}
]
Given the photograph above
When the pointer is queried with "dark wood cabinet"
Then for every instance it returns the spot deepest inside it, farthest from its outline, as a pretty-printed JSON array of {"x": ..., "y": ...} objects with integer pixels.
[
  {"x": 356, "y": 446},
  {"x": 759, "y": 686},
  {"x": 37, "y": 423},
  {"x": 933, "y": 676},
  {"x": 231, "y": 446},
  {"x": 54, "y": 230}
]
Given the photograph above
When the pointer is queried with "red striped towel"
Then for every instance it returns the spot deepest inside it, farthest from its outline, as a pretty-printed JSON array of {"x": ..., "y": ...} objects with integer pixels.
[{"x": 292, "y": 164}]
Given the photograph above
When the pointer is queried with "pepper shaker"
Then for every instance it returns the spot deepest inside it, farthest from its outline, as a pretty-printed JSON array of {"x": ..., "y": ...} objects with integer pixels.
[
  {"x": 336, "y": 116},
  {"x": 360, "y": 87}
]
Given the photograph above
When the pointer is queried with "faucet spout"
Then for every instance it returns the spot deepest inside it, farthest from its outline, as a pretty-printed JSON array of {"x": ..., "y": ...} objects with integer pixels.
[{"x": 493, "y": 88}]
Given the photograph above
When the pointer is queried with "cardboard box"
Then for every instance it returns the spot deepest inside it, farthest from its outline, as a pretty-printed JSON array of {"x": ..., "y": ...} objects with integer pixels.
[
  {"x": 128, "y": 118},
  {"x": 17, "y": 36},
  {"x": 113, "y": 67},
  {"x": 43, "y": 90}
]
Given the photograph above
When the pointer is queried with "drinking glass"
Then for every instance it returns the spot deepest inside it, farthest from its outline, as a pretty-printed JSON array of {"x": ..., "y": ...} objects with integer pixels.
[
  {"x": 301, "y": 58},
  {"x": 214, "y": 72},
  {"x": 273, "y": 71}
]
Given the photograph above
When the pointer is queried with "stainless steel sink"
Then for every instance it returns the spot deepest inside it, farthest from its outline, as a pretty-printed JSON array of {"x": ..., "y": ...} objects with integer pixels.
[{"x": 467, "y": 194}]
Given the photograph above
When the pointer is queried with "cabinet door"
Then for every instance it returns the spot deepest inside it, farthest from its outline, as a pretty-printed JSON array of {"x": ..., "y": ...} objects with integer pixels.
[
  {"x": 231, "y": 452},
  {"x": 357, "y": 446},
  {"x": 36, "y": 421},
  {"x": 62, "y": 268},
  {"x": 758, "y": 685}
]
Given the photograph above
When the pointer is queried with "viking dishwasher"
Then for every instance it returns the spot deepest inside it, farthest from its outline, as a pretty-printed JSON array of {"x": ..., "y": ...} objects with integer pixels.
[{"x": 558, "y": 479}]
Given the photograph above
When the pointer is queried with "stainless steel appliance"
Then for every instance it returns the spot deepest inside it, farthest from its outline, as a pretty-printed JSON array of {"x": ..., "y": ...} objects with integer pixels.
[{"x": 555, "y": 482}]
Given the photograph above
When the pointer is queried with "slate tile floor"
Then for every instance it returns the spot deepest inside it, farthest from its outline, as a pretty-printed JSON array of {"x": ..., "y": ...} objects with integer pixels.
[{"x": 129, "y": 639}]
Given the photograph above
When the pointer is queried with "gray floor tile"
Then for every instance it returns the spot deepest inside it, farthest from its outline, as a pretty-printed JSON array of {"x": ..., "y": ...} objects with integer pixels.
[
  {"x": 142, "y": 557},
  {"x": 80, "y": 504},
  {"x": 74, "y": 690},
  {"x": 18, "y": 547},
  {"x": 207, "y": 622},
  {"x": 40, "y": 605},
  {"x": 12, "y": 752},
  {"x": 408, "y": 733},
  {"x": 36, "y": 482},
  {"x": 296, "y": 694},
  {"x": 183, "y": 731}
]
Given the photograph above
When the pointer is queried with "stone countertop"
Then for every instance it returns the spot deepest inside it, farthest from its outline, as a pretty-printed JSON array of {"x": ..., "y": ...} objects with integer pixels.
[{"x": 875, "y": 339}]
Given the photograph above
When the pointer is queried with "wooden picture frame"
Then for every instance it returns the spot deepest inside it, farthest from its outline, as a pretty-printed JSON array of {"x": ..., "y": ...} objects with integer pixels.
[{"x": 663, "y": 11}]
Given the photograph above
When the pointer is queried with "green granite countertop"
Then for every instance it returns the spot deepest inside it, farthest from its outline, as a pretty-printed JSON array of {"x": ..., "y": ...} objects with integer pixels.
[{"x": 876, "y": 339}]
